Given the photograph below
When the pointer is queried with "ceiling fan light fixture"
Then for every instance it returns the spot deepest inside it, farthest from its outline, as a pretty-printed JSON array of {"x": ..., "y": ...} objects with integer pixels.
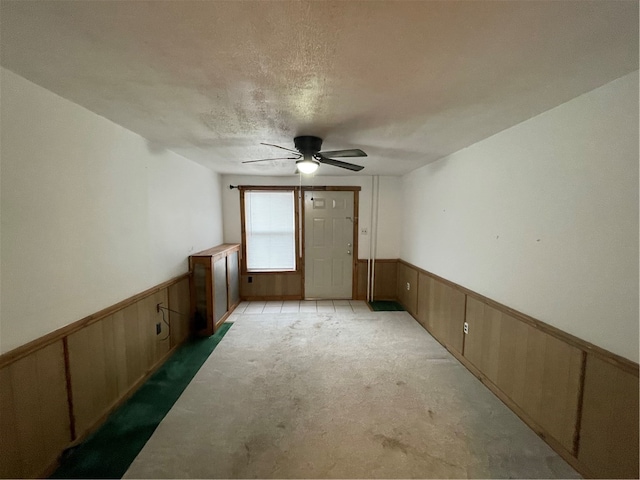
[
  {"x": 309, "y": 157},
  {"x": 307, "y": 165}
]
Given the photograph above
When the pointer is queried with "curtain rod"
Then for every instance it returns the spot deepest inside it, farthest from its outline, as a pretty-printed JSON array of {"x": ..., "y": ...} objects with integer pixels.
[{"x": 295, "y": 187}]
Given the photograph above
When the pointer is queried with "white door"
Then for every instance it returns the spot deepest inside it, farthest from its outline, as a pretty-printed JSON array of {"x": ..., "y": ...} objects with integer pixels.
[{"x": 328, "y": 244}]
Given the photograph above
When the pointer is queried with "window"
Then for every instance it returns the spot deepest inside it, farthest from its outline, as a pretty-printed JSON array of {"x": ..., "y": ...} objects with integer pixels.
[{"x": 270, "y": 230}]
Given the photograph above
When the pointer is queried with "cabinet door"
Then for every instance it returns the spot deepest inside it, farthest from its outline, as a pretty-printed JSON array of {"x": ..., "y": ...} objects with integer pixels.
[
  {"x": 233, "y": 274},
  {"x": 202, "y": 316},
  {"x": 220, "y": 289}
]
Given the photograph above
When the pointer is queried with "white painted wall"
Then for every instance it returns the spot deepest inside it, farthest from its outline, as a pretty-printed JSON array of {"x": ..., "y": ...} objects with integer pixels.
[
  {"x": 542, "y": 217},
  {"x": 389, "y": 217},
  {"x": 90, "y": 215},
  {"x": 390, "y": 196}
]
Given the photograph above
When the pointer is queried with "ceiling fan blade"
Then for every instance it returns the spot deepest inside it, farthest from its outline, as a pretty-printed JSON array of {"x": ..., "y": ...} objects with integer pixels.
[
  {"x": 268, "y": 159},
  {"x": 338, "y": 163},
  {"x": 354, "y": 152},
  {"x": 278, "y": 146}
]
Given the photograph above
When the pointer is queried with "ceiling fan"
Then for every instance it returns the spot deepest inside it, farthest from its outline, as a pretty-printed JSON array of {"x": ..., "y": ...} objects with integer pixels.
[{"x": 308, "y": 156}]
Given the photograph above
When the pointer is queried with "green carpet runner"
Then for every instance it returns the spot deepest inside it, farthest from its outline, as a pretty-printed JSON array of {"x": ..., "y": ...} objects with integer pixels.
[
  {"x": 108, "y": 452},
  {"x": 386, "y": 306}
]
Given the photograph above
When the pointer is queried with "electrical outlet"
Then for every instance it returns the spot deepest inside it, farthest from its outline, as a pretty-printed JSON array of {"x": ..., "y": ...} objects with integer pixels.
[
  {"x": 158, "y": 328},
  {"x": 466, "y": 327},
  {"x": 408, "y": 286},
  {"x": 364, "y": 231},
  {"x": 158, "y": 308}
]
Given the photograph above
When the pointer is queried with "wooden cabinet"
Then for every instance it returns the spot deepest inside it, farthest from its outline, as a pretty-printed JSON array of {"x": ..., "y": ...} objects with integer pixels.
[{"x": 215, "y": 286}]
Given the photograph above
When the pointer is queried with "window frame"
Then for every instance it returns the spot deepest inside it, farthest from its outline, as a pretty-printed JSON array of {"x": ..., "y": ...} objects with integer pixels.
[{"x": 297, "y": 231}]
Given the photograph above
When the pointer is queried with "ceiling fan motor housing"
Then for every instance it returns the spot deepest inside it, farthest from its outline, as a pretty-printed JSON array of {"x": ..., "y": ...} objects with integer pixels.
[
  {"x": 308, "y": 144},
  {"x": 310, "y": 154}
]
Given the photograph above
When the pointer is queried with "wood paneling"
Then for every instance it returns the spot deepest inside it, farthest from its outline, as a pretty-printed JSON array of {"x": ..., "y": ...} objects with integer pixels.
[
  {"x": 513, "y": 358},
  {"x": 156, "y": 345},
  {"x": 553, "y": 443},
  {"x": 271, "y": 286},
  {"x": 133, "y": 359},
  {"x": 48, "y": 400},
  {"x": 233, "y": 279},
  {"x": 448, "y": 311},
  {"x": 580, "y": 398},
  {"x": 179, "y": 318},
  {"x": 108, "y": 357},
  {"x": 116, "y": 349},
  {"x": 607, "y": 356},
  {"x": 482, "y": 343},
  {"x": 608, "y": 443},
  {"x": 408, "y": 298},
  {"x": 386, "y": 280},
  {"x": 221, "y": 297},
  {"x": 552, "y": 384},
  {"x": 48, "y": 339},
  {"x": 422, "y": 309},
  {"x": 441, "y": 311},
  {"x": 540, "y": 373},
  {"x": 90, "y": 383},
  {"x": 34, "y": 415},
  {"x": 10, "y": 460},
  {"x": 361, "y": 267}
]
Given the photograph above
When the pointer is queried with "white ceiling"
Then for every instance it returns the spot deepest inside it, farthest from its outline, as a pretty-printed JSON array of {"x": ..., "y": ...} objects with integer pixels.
[{"x": 408, "y": 82}]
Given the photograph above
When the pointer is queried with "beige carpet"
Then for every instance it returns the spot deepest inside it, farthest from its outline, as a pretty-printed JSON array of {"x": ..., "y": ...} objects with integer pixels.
[{"x": 339, "y": 395}]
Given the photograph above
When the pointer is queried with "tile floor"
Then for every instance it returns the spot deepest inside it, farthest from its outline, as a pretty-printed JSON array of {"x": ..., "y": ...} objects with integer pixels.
[{"x": 304, "y": 306}]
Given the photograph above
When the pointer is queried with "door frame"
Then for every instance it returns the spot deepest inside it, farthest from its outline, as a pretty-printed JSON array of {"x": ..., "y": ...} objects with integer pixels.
[{"x": 356, "y": 209}]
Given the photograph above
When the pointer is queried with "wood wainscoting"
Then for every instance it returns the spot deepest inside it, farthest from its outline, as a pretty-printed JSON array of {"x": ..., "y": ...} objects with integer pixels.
[
  {"x": 609, "y": 422},
  {"x": 271, "y": 286},
  {"x": 34, "y": 414},
  {"x": 440, "y": 309},
  {"x": 288, "y": 285},
  {"x": 581, "y": 399},
  {"x": 57, "y": 389},
  {"x": 385, "y": 279}
]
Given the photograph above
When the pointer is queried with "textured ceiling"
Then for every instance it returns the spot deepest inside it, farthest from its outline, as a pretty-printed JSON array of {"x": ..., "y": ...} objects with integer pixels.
[{"x": 408, "y": 82}]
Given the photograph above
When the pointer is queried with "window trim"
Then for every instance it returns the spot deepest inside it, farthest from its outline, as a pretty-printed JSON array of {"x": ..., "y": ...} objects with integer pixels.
[{"x": 296, "y": 212}]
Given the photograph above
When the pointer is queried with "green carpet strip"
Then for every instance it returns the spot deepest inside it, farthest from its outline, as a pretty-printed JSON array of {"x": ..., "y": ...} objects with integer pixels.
[
  {"x": 386, "y": 306},
  {"x": 108, "y": 452}
]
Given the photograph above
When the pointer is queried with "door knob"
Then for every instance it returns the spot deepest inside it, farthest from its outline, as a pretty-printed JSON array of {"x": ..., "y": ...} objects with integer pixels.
[{"x": 348, "y": 252}]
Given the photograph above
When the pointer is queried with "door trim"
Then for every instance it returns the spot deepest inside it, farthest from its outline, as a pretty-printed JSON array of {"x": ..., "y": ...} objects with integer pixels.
[{"x": 354, "y": 259}]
